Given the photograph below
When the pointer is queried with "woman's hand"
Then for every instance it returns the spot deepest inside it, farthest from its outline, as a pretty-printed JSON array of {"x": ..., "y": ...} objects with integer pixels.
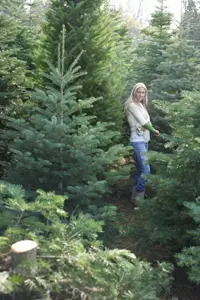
[{"x": 156, "y": 133}]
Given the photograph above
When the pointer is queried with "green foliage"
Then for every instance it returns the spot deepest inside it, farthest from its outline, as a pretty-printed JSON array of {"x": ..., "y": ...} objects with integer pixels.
[
  {"x": 149, "y": 51},
  {"x": 16, "y": 55},
  {"x": 190, "y": 25},
  {"x": 13, "y": 69},
  {"x": 102, "y": 36},
  {"x": 190, "y": 257},
  {"x": 164, "y": 218},
  {"x": 59, "y": 149},
  {"x": 179, "y": 71},
  {"x": 17, "y": 43},
  {"x": 70, "y": 262}
]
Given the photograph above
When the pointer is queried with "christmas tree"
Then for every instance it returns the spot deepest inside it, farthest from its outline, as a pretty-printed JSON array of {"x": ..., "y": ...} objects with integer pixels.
[
  {"x": 92, "y": 28},
  {"x": 58, "y": 148}
]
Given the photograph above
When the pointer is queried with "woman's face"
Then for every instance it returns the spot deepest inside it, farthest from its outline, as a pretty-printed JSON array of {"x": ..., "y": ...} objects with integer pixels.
[{"x": 140, "y": 94}]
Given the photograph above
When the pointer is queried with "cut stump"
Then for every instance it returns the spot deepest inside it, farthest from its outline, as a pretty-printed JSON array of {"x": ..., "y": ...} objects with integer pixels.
[{"x": 22, "y": 251}]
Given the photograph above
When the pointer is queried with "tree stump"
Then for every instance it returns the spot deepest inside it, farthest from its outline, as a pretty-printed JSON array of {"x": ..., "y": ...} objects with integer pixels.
[{"x": 22, "y": 251}]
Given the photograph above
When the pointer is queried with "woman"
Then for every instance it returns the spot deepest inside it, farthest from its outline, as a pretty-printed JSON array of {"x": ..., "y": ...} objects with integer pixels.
[{"x": 140, "y": 126}]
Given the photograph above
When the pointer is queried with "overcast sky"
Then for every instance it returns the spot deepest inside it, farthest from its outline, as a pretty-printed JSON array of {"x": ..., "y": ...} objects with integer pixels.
[{"x": 146, "y": 7}]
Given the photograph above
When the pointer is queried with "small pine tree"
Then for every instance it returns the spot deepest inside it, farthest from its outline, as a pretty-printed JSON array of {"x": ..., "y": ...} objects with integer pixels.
[{"x": 58, "y": 149}]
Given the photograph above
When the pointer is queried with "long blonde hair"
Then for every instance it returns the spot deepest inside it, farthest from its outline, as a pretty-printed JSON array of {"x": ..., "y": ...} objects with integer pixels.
[{"x": 133, "y": 98}]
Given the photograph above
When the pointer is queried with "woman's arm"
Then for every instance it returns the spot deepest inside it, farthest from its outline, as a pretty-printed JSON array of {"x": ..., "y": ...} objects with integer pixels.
[
  {"x": 134, "y": 110},
  {"x": 151, "y": 128}
]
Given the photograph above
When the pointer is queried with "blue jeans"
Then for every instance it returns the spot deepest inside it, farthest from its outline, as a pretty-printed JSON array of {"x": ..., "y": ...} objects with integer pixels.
[{"x": 142, "y": 167}]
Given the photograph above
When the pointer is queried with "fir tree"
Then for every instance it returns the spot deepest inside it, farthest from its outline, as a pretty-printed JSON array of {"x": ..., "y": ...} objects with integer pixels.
[
  {"x": 71, "y": 262},
  {"x": 58, "y": 148},
  {"x": 91, "y": 27},
  {"x": 179, "y": 71},
  {"x": 149, "y": 55},
  {"x": 16, "y": 62},
  {"x": 165, "y": 218},
  {"x": 13, "y": 68},
  {"x": 190, "y": 23},
  {"x": 189, "y": 258},
  {"x": 149, "y": 52}
]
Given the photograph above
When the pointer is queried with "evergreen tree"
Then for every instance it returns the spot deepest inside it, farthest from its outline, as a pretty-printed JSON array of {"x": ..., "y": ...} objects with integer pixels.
[
  {"x": 71, "y": 262},
  {"x": 190, "y": 23},
  {"x": 149, "y": 52},
  {"x": 179, "y": 71},
  {"x": 58, "y": 148},
  {"x": 22, "y": 35},
  {"x": 91, "y": 27},
  {"x": 165, "y": 218},
  {"x": 36, "y": 12},
  {"x": 16, "y": 62},
  {"x": 190, "y": 256},
  {"x": 13, "y": 67}
]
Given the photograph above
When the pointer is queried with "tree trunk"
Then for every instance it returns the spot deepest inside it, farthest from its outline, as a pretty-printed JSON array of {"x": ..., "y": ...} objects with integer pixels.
[{"x": 23, "y": 251}]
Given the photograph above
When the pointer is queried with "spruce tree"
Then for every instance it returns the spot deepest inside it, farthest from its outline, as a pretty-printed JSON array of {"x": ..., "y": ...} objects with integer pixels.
[
  {"x": 58, "y": 149},
  {"x": 91, "y": 27}
]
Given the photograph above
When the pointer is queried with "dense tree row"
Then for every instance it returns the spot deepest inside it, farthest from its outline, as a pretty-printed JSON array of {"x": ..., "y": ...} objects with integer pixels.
[
  {"x": 169, "y": 221},
  {"x": 65, "y": 68}
]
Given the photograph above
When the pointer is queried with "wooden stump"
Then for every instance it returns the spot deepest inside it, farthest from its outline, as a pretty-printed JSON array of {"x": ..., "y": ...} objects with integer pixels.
[{"x": 22, "y": 251}]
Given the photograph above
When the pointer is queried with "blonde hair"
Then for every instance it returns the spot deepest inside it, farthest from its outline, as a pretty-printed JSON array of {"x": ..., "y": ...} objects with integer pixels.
[{"x": 133, "y": 95}]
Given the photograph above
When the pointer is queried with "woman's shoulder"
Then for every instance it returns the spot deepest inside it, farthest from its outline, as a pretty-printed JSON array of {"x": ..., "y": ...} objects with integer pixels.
[{"x": 133, "y": 106}]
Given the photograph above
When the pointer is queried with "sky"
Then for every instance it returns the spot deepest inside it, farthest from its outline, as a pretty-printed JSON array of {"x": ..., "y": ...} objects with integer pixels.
[{"x": 147, "y": 7}]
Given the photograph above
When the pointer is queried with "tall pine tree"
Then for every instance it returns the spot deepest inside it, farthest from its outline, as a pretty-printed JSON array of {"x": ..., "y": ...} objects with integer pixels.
[
  {"x": 16, "y": 61},
  {"x": 149, "y": 52},
  {"x": 91, "y": 27},
  {"x": 58, "y": 148},
  {"x": 191, "y": 23}
]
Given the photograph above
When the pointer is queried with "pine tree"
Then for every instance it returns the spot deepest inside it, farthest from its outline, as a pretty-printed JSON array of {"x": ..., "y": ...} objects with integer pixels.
[
  {"x": 71, "y": 261},
  {"x": 13, "y": 67},
  {"x": 149, "y": 52},
  {"x": 91, "y": 27},
  {"x": 22, "y": 31},
  {"x": 16, "y": 62},
  {"x": 190, "y": 23},
  {"x": 165, "y": 219},
  {"x": 36, "y": 12},
  {"x": 58, "y": 149},
  {"x": 190, "y": 255},
  {"x": 179, "y": 71}
]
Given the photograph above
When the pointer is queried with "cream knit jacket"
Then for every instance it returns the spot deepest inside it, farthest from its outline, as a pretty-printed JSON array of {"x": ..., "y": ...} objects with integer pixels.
[{"x": 137, "y": 116}]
